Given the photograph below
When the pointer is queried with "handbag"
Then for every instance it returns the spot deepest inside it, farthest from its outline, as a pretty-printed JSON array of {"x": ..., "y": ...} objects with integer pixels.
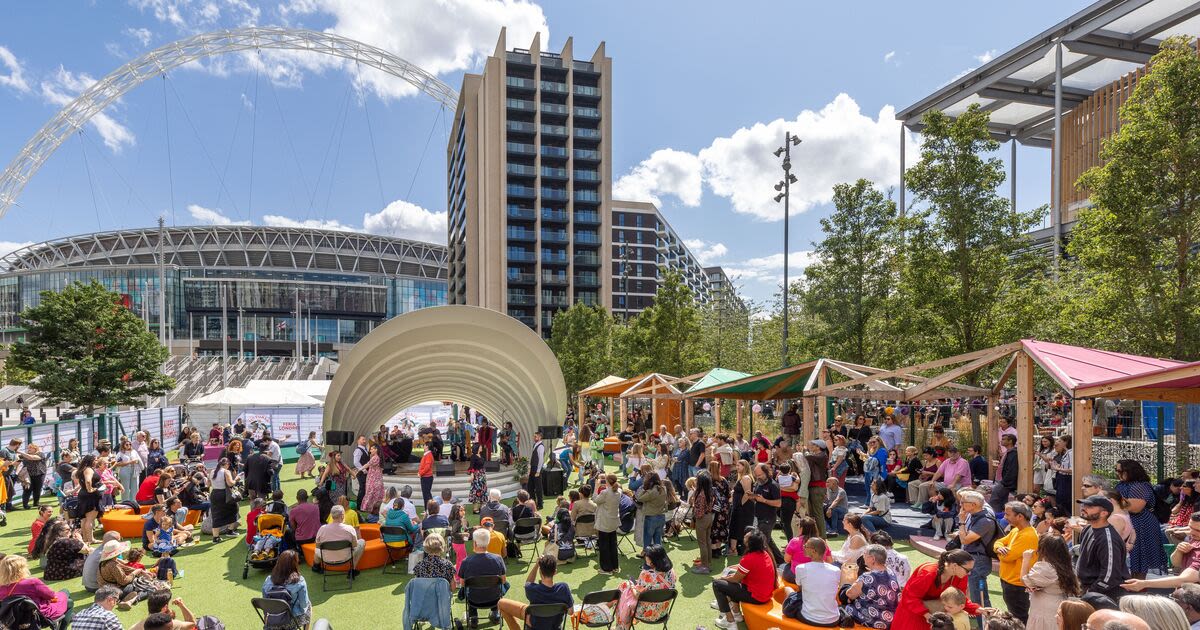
[{"x": 232, "y": 496}]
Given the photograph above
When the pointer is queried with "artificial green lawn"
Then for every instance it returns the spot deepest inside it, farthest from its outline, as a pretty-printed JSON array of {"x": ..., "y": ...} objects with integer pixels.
[{"x": 213, "y": 584}]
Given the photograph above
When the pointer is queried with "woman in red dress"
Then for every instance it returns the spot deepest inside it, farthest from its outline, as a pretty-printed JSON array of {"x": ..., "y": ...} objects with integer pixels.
[{"x": 927, "y": 583}]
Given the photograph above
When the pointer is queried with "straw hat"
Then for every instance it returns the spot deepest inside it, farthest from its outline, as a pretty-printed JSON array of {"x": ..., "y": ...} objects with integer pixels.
[{"x": 112, "y": 549}]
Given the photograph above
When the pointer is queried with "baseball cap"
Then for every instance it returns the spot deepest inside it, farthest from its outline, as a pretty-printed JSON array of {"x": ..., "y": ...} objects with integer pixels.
[
  {"x": 819, "y": 444},
  {"x": 1097, "y": 501},
  {"x": 487, "y": 522}
]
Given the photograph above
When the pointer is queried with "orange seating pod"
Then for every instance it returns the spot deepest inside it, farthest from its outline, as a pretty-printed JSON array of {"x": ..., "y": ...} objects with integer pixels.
[
  {"x": 612, "y": 445},
  {"x": 130, "y": 525},
  {"x": 770, "y": 615},
  {"x": 369, "y": 531},
  {"x": 375, "y": 555}
]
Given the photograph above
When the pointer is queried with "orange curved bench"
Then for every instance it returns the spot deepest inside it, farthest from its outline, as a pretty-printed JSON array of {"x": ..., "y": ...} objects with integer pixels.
[
  {"x": 375, "y": 555},
  {"x": 369, "y": 531},
  {"x": 130, "y": 525},
  {"x": 770, "y": 615}
]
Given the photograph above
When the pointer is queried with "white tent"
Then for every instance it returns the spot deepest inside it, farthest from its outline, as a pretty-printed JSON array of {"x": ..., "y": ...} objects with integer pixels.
[
  {"x": 316, "y": 389},
  {"x": 246, "y": 397}
]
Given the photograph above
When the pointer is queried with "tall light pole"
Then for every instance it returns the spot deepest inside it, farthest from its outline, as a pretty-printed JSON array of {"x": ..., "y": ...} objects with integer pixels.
[{"x": 783, "y": 188}]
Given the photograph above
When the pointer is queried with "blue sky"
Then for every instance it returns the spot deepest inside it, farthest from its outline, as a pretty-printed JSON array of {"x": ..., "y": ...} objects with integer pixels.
[{"x": 701, "y": 91}]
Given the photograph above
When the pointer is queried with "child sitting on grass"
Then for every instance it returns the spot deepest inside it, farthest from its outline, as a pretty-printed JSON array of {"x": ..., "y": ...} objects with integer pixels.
[{"x": 134, "y": 558}]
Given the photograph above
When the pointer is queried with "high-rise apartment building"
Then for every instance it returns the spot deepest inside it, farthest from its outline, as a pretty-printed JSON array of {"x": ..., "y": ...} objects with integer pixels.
[
  {"x": 644, "y": 247},
  {"x": 529, "y": 185}
]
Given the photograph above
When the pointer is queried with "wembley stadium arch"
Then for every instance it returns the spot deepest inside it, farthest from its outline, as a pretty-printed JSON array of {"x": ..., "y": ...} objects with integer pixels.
[{"x": 165, "y": 58}]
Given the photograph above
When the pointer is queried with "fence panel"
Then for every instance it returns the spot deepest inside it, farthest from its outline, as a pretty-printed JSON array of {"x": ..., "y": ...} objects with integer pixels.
[
  {"x": 43, "y": 436},
  {"x": 170, "y": 427}
]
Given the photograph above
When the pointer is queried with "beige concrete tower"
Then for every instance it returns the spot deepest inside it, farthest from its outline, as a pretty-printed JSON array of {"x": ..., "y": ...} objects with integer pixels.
[{"x": 529, "y": 184}]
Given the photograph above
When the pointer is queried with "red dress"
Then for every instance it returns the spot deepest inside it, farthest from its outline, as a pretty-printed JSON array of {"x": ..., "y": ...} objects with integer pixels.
[{"x": 922, "y": 585}]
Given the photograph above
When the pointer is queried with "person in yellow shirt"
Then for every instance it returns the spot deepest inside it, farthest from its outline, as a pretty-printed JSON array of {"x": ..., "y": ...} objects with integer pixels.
[
  {"x": 497, "y": 542},
  {"x": 1010, "y": 550}
]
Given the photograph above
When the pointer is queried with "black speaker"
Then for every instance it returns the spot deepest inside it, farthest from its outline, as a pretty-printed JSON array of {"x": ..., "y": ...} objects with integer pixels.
[
  {"x": 339, "y": 438},
  {"x": 551, "y": 432},
  {"x": 491, "y": 466},
  {"x": 444, "y": 469},
  {"x": 553, "y": 482}
]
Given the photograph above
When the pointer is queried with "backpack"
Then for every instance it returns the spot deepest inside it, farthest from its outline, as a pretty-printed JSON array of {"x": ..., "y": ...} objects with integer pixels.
[
  {"x": 302, "y": 447},
  {"x": 989, "y": 543},
  {"x": 21, "y": 613},
  {"x": 793, "y": 605},
  {"x": 277, "y": 591}
]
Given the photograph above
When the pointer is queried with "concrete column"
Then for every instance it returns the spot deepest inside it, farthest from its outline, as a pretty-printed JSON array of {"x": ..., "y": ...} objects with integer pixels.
[{"x": 1025, "y": 428}]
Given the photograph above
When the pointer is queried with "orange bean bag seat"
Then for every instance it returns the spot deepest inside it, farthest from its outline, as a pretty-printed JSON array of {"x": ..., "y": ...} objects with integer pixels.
[
  {"x": 130, "y": 525},
  {"x": 612, "y": 445},
  {"x": 770, "y": 615},
  {"x": 375, "y": 555},
  {"x": 369, "y": 531}
]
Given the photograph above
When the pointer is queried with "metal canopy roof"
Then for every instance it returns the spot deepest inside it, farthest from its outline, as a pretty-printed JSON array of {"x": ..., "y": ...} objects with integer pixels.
[{"x": 1102, "y": 43}]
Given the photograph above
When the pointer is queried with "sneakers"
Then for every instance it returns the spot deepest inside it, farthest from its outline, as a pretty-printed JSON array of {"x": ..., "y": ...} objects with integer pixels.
[
  {"x": 316, "y": 568},
  {"x": 699, "y": 570},
  {"x": 724, "y": 623},
  {"x": 713, "y": 605}
]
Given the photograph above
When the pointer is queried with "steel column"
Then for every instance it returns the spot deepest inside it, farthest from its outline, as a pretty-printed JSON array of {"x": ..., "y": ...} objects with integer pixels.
[{"x": 1057, "y": 183}]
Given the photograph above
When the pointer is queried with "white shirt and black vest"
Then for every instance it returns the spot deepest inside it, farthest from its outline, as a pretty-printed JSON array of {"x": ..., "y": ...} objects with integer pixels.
[
  {"x": 361, "y": 455},
  {"x": 537, "y": 459}
]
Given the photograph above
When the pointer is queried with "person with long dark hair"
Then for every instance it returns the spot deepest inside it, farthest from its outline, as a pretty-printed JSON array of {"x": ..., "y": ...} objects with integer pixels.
[
  {"x": 753, "y": 581},
  {"x": 285, "y": 578},
  {"x": 224, "y": 509},
  {"x": 656, "y": 574},
  {"x": 702, "y": 501},
  {"x": 1060, "y": 462},
  {"x": 88, "y": 482},
  {"x": 927, "y": 583},
  {"x": 653, "y": 499},
  {"x": 1050, "y": 580},
  {"x": 742, "y": 510},
  {"x": 608, "y": 520},
  {"x": 1134, "y": 486}
]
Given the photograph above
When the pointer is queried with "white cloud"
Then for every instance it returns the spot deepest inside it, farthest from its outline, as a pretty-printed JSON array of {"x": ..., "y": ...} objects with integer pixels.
[
  {"x": 7, "y": 247},
  {"x": 405, "y": 220},
  {"x": 840, "y": 144},
  {"x": 198, "y": 15},
  {"x": 769, "y": 269},
  {"x": 706, "y": 252},
  {"x": 63, "y": 86},
  {"x": 888, "y": 56},
  {"x": 665, "y": 172},
  {"x": 986, "y": 56},
  {"x": 275, "y": 220},
  {"x": 141, "y": 35},
  {"x": 15, "y": 77},
  {"x": 246, "y": 102},
  {"x": 209, "y": 216}
]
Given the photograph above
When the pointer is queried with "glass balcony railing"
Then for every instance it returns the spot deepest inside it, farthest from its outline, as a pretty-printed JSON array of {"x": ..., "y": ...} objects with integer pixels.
[
  {"x": 515, "y": 190},
  {"x": 519, "y": 104},
  {"x": 521, "y": 148},
  {"x": 518, "y": 255},
  {"x": 585, "y": 154},
  {"x": 521, "y": 278},
  {"x": 588, "y": 218},
  {"x": 517, "y": 234},
  {"x": 557, "y": 173},
  {"x": 554, "y": 108},
  {"x": 521, "y": 299},
  {"x": 521, "y": 169},
  {"x": 587, "y": 259},
  {"x": 587, "y": 112},
  {"x": 518, "y": 126},
  {"x": 587, "y": 281},
  {"x": 584, "y": 132},
  {"x": 554, "y": 278},
  {"x": 550, "y": 151},
  {"x": 553, "y": 258},
  {"x": 554, "y": 86},
  {"x": 590, "y": 299},
  {"x": 556, "y": 194},
  {"x": 555, "y": 300},
  {"x": 549, "y": 236},
  {"x": 589, "y": 238},
  {"x": 519, "y": 82},
  {"x": 587, "y": 176},
  {"x": 586, "y": 66},
  {"x": 557, "y": 216},
  {"x": 584, "y": 195},
  {"x": 587, "y": 90},
  {"x": 517, "y": 212},
  {"x": 554, "y": 130}
]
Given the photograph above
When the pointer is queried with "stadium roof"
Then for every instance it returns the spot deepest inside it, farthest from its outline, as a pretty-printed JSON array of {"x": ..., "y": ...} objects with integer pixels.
[
  {"x": 1103, "y": 42},
  {"x": 237, "y": 246}
]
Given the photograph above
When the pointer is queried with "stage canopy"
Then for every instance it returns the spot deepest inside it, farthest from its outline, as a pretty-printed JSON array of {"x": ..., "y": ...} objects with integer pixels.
[{"x": 469, "y": 355}]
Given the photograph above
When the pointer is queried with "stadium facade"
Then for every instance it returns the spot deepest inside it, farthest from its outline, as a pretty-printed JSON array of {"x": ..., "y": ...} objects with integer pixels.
[{"x": 283, "y": 291}]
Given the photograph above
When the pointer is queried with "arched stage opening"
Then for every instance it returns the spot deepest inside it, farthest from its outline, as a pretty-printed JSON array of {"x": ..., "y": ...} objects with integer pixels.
[{"x": 472, "y": 356}]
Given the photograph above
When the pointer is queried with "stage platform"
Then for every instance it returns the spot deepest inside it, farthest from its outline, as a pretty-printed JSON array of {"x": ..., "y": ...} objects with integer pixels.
[{"x": 459, "y": 482}]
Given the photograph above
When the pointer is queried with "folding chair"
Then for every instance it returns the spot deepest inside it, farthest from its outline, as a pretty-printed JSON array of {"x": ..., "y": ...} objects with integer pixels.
[
  {"x": 547, "y": 611},
  {"x": 275, "y": 610},
  {"x": 627, "y": 537},
  {"x": 336, "y": 545},
  {"x": 688, "y": 523},
  {"x": 586, "y": 523},
  {"x": 655, "y": 596},
  {"x": 606, "y": 598},
  {"x": 395, "y": 553},
  {"x": 528, "y": 533},
  {"x": 474, "y": 604}
]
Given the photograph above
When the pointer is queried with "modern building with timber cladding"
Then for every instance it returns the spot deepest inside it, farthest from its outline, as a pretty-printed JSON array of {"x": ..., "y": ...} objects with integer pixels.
[
  {"x": 330, "y": 288},
  {"x": 1062, "y": 90},
  {"x": 529, "y": 181}
]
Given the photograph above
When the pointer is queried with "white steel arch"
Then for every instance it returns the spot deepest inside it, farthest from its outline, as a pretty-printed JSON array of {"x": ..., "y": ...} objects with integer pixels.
[{"x": 165, "y": 58}]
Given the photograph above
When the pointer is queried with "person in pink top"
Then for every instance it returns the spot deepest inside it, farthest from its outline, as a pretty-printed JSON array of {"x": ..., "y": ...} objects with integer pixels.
[
  {"x": 955, "y": 472},
  {"x": 795, "y": 554},
  {"x": 15, "y": 580}
]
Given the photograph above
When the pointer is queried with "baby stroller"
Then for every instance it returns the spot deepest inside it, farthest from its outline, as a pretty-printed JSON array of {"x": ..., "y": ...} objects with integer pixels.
[{"x": 267, "y": 525}]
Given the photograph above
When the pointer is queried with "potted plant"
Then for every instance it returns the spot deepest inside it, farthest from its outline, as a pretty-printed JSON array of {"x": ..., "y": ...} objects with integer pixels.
[{"x": 522, "y": 469}]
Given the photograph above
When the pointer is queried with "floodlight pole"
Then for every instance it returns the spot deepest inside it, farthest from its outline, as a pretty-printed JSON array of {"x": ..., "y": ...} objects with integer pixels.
[
  {"x": 785, "y": 187},
  {"x": 162, "y": 286}
]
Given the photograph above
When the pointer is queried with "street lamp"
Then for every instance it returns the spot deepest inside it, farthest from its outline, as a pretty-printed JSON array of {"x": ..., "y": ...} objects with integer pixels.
[{"x": 783, "y": 188}]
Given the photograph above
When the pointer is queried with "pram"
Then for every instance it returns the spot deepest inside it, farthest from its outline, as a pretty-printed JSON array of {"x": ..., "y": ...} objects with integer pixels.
[{"x": 266, "y": 524}]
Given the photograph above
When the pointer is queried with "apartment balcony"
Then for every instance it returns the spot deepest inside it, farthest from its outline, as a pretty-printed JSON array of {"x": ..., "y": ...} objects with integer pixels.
[
  {"x": 522, "y": 278},
  {"x": 551, "y": 60},
  {"x": 520, "y": 83},
  {"x": 554, "y": 173},
  {"x": 555, "y": 194},
  {"x": 528, "y": 320},
  {"x": 554, "y": 152},
  {"x": 589, "y": 299},
  {"x": 559, "y": 131},
  {"x": 587, "y": 134},
  {"x": 520, "y": 105},
  {"x": 585, "y": 66},
  {"x": 517, "y": 190},
  {"x": 587, "y": 112},
  {"x": 587, "y": 238},
  {"x": 522, "y": 214},
  {"x": 521, "y": 169},
  {"x": 555, "y": 109},
  {"x": 587, "y": 176},
  {"x": 520, "y": 148},
  {"x": 587, "y": 90},
  {"x": 547, "y": 321},
  {"x": 520, "y": 126},
  {"x": 555, "y": 216},
  {"x": 555, "y": 300},
  {"x": 549, "y": 236},
  {"x": 554, "y": 279},
  {"x": 516, "y": 255},
  {"x": 518, "y": 56},
  {"x": 554, "y": 87},
  {"x": 587, "y": 259},
  {"x": 590, "y": 155},
  {"x": 587, "y": 281},
  {"x": 517, "y": 234},
  {"x": 551, "y": 258},
  {"x": 584, "y": 195},
  {"x": 521, "y": 299},
  {"x": 587, "y": 218}
]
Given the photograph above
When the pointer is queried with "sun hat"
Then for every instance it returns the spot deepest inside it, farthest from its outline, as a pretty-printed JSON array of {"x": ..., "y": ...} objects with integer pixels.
[{"x": 112, "y": 549}]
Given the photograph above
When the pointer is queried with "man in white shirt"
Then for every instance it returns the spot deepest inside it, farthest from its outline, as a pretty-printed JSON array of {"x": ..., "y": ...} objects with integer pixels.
[
  {"x": 359, "y": 459},
  {"x": 409, "y": 508},
  {"x": 275, "y": 454},
  {"x": 336, "y": 530},
  {"x": 537, "y": 461},
  {"x": 819, "y": 581}
]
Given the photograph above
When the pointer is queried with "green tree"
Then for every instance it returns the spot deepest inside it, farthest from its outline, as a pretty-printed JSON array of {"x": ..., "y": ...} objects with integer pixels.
[
  {"x": 667, "y": 337},
  {"x": 1136, "y": 245},
  {"x": 966, "y": 268},
  {"x": 581, "y": 338},
  {"x": 727, "y": 334},
  {"x": 848, "y": 285},
  {"x": 86, "y": 349}
]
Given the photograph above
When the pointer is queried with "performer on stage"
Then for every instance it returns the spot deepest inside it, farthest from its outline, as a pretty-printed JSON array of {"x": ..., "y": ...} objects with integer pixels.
[
  {"x": 537, "y": 461},
  {"x": 425, "y": 472},
  {"x": 359, "y": 461}
]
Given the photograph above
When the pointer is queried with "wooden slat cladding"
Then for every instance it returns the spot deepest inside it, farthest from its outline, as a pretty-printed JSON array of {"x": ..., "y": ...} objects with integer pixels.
[{"x": 1085, "y": 129}]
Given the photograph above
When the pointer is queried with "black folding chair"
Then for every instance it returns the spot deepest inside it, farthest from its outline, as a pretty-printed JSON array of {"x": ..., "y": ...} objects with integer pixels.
[
  {"x": 608, "y": 599},
  {"x": 655, "y": 596},
  {"x": 474, "y": 602},
  {"x": 546, "y": 611},
  {"x": 275, "y": 613},
  {"x": 335, "y": 545},
  {"x": 395, "y": 553},
  {"x": 586, "y": 523},
  {"x": 528, "y": 533},
  {"x": 627, "y": 537}
]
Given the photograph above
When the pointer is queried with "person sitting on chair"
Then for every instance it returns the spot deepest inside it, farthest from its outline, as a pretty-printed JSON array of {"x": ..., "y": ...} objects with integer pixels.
[
  {"x": 480, "y": 564},
  {"x": 543, "y": 591},
  {"x": 336, "y": 530}
]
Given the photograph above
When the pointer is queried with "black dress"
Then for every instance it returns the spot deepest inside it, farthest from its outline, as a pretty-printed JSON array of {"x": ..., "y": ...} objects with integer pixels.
[
  {"x": 89, "y": 501},
  {"x": 743, "y": 516},
  {"x": 224, "y": 512}
]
